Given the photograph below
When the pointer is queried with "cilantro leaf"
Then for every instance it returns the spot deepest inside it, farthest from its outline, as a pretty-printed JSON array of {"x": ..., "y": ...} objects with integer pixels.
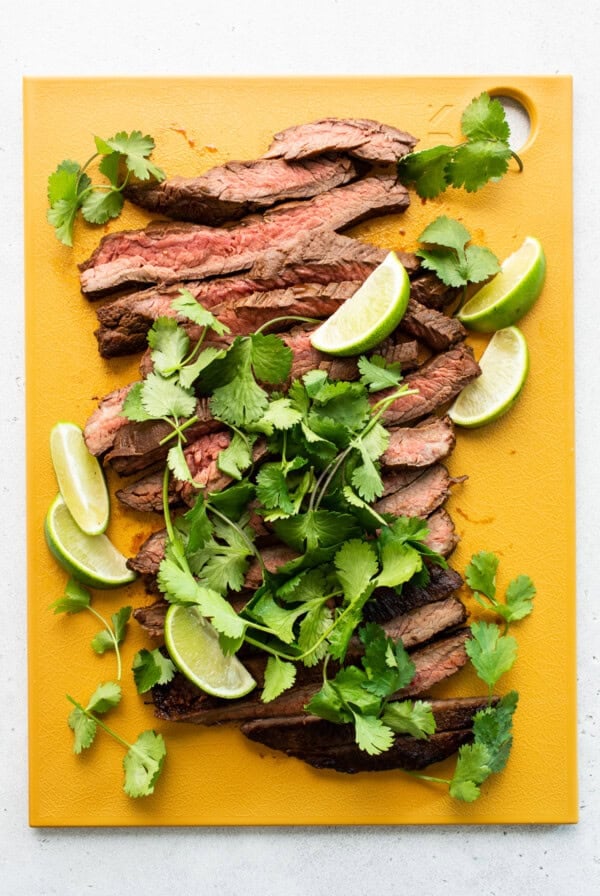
[
  {"x": 177, "y": 463},
  {"x": 427, "y": 170},
  {"x": 279, "y": 676},
  {"x": 150, "y": 667},
  {"x": 83, "y": 727},
  {"x": 519, "y": 599},
  {"x": 136, "y": 149},
  {"x": 377, "y": 374},
  {"x": 281, "y": 620},
  {"x": 327, "y": 704},
  {"x": 188, "y": 306},
  {"x": 316, "y": 528},
  {"x": 366, "y": 477},
  {"x": 169, "y": 345},
  {"x": 280, "y": 414},
  {"x": 107, "y": 639},
  {"x": 315, "y": 624},
  {"x": 484, "y": 119},
  {"x": 177, "y": 584},
  {"x": 143, "y": 763},
  {"x": 241, "y": 400},
  {"x": 222, "y": 561},
  {"x": 471, "y": 771},
  {"x": 67, "y": 188},
  {"x": 76, "y": 598},
  {"x": 105, "y": 697},
  {"x": 449, "y": 257},
  {"x": 191, "y": 371},
  {"x": 271, "y": 358},
  {"x": 492, "y": 727},
  {"x": 474, "y": 164},
  {"x": 356, "y": 567},
  {"x": 98, "y": 207},
  {"x": 481, "y": 573},
  {"x": 133, "y": 408},
  {"x": 234, "y": 500},
  {"x": 407, "y": 717},
  {"x": 387, "y": 664},
  {"x": 491, "y": 653},
  {"x": 166, "y": 398},
  {"x": 237, "y": 457},
  {"x": 372, "y": 735}
]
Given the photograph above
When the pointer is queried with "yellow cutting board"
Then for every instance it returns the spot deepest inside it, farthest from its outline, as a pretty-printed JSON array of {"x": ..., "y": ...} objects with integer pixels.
[{"x": 518, "y": 500}]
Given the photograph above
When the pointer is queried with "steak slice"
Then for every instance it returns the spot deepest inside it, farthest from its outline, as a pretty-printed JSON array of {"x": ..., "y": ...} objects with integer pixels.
[
  {"x": 442, "y": 536},
  {"x": 422, "y": 496},
  {"x": 182, "y": 701},
  {"x": 324, "y": 744},
  {"x": 435, "y": 329},
  {"x": 436, "y": 383},
  {"x": 102, "y": 426},
  {"x": 420, "y": 446},
  {"x": 239, "y": 188},
  {"x": 362, "y": 138},
  {"x": 386, "y": 603},
  {"x": 171, "y": 251}
]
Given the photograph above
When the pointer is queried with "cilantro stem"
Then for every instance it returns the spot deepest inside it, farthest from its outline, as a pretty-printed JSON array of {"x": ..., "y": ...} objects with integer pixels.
[
  {"x": 277, "y": 320},
  {"x": 112, "y": 636},
  {"x": 99, "y": 721},
  {"x": 426, "y": 777},
  {"x": 178, "y": 430},
  {"x": 166, "y": 511},
  {"x": 517, "y": 159}
]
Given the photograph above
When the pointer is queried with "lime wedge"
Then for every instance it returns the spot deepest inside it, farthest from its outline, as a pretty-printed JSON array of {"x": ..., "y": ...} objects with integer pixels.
[
  {"x": 80, "y": 478},
  {"x": 370, "y": 315},
  {"x": 504, "y": 368},
  {"x": 193, "y": 645},
  {"x": 91, "y": 559},
  {"x": 511, "y": 293}
]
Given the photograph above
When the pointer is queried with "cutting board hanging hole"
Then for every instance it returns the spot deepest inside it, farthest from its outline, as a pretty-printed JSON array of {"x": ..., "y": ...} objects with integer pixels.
[{"x": 518, "y": 120}]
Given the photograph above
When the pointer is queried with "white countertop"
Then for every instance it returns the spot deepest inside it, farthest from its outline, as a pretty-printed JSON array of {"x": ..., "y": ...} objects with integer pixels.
[{"x": 313, "y": 37}]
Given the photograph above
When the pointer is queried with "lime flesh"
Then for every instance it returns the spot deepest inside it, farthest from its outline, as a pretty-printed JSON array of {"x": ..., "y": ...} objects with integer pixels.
[
  {"x": 193, "y": 644},
  {"x": 511, "y": 293},
  {"x": 504, "y": 368},
  {"x": 370, "y": 315},
  {"x": 91, "y": 559},
  {"x": 80, "y": 478}
]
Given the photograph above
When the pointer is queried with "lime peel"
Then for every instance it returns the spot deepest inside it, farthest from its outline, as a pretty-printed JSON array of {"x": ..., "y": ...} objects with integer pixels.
[
  {"x": 80, "y": 478},
  {"x": 370, "y": 315},
  {"x": 508, "y": 296},
  {"x": 193, "y": 645},
  {"x": 504, "y": 369},
  {"x": 91, "y": 559}
]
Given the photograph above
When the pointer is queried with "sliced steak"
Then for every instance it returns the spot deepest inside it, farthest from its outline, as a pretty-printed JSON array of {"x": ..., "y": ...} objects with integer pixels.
[
  {"x": 420, "y": 446},
  {"x": 171, "y": 252},
  {"x": 422, "y": 496},
  {"x": 358, "y": 137},
  {"x": 436, "y": 383},
  {"x": 239, "y": 188},
  {"x": 435, "y": 329},
  {"x": 387, "y": 603},
  {"x": 313, "y": 260},
  {"x": 182, "y": 701},
  {"x": 442, "y": 536},
  {"x": 102, "y": 426},
  {"x": 429, "y": 290},
  {"x": 324, "y": 744}
]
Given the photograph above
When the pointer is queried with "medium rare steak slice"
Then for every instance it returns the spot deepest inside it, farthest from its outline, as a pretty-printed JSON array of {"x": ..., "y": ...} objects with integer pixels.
[
  {"x": 442, "y": 536},
  {"x": 102, "y": 426},
  {"x": 420, "y": 446},
  {"x": 324, "y": 744},
  {"x": 181, "y": 701},
  {"x": 421, "y": 496},
  {"x": 239, "y": 188},
  {"x": 362, "y": 138},
  {"x": 436, "y": 383},
  {"x": 170, "y": 252}
]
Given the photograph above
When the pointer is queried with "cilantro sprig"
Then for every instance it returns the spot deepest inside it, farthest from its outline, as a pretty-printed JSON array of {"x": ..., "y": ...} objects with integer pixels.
[
  {"x": 484, "y": 155},
  {"x": 447, "y": 254},
  {"x": 144, "y": 758},
  {"x": 71, "y": 190},
  {"x": 77, "y": 598}
]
